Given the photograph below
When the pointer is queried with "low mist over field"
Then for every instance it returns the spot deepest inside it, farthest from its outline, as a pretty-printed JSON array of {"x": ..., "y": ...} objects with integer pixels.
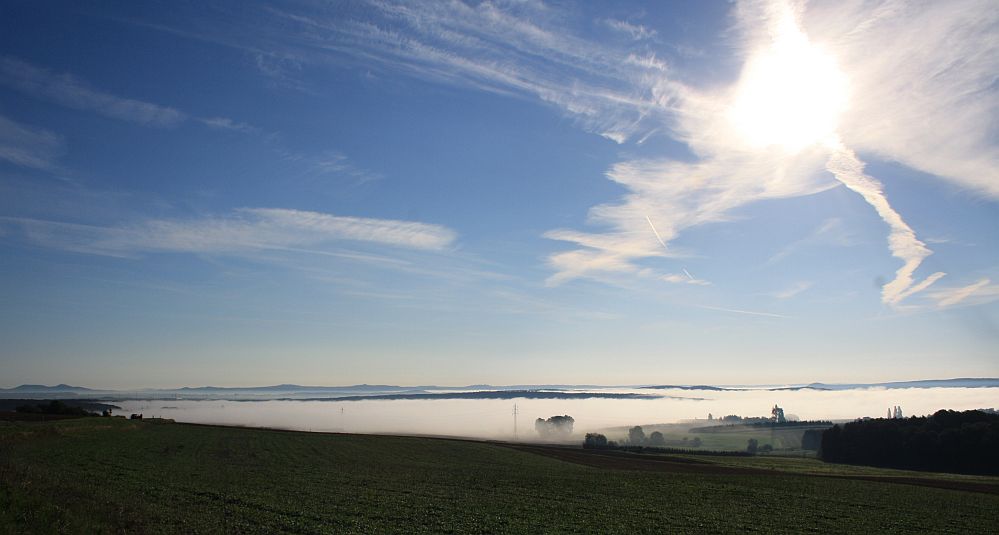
[{"x": 493, "y": 418}]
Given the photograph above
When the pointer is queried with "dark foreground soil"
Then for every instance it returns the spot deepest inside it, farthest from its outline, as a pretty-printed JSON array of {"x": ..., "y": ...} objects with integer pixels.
[
  {"x": 634, "y": 461},
  {"x": 10, "y": 416},
  {"x": 615, "y": 460},
  {"x": 115, "y": 475}
]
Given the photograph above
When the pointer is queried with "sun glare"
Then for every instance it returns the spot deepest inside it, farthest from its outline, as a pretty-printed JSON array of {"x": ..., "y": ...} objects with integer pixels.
[{"x": 791, "y": 94}]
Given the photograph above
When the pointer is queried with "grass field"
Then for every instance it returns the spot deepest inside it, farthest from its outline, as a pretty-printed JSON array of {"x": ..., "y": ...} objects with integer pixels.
[
  {"x": 733, "y": 438},
  {"x": 97, "y": 475}
]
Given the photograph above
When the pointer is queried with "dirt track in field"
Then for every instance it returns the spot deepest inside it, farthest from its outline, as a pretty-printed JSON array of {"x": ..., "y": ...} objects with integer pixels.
[{"x": 682, "y": 465}]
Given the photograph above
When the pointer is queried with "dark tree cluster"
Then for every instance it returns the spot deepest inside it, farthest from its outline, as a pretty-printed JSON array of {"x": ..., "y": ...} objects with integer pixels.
[
  {"x": 637, "y": 437},
  {"x": 597, "y": 441},
  {"x": 638, "y": 441},
  {"x": 555, "y": 427},
  {"x": 753, "y": 447},
  {"x": 948, "y": 441},
  {"x": 53, "y": 407},
  {"x": 811, "y": 439}
]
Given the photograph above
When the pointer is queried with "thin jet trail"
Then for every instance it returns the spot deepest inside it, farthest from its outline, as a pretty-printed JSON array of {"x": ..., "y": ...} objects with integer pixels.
[
  {"x": 660, "y": 238},
  {"x": 656, "y": 232}
]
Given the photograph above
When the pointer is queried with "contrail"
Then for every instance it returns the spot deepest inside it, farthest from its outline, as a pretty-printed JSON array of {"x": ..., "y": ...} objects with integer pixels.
[
  {"x": 658, "y": 237},
  {"x": 747, "y": 312},
  {"x": 902, "y": 241}
]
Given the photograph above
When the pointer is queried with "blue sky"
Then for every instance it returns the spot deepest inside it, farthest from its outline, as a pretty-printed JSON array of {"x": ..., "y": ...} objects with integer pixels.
[{"x": 497, "y": 192}]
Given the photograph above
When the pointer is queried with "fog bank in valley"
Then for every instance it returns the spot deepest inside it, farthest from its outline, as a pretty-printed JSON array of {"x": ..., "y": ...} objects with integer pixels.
[{"x": 494, "y": 419}]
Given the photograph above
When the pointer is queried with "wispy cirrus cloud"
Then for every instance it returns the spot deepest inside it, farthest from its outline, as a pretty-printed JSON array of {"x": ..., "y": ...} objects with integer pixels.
[
  {"x": 70, "y": 91},
  {"x": 522, "y": 49},
  {"x": 243, "y": 231},
  {"x": 902, "y": 241},
  {"x": 635, "y": 31},
  {"x": 27, "y": 146},
  {"x": 793, "y": 290},
  {"x": 679, "y": 196},
  {"x": 73, "y": 92},
  {"x": 927, "y": 100},
  {"x": 952, "y": 69},
  {"x": 224, "y": 123},
  {"x": 519, "y": 49},
  {"x": 331, "y": 163},
  {"x": 684, "y": 278},
  {"x": 978, "y": 293},
  {"x": 928, "y": 97}
]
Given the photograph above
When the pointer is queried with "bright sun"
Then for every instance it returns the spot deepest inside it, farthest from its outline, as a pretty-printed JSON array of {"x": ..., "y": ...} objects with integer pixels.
[{"x": 791, "y": 94}]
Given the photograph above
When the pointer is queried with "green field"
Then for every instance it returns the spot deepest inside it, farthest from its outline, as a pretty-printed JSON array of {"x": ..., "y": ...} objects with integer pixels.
[
  {"x": 729, "y": 438},
  {"x": 97, "y": 475}
]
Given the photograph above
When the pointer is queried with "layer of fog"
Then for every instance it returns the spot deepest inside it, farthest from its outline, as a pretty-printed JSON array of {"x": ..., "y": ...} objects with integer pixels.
[{"x": 494, "y": 419}]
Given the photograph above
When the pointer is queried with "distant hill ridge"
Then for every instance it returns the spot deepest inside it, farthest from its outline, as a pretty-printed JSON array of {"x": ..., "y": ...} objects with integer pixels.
[
  {"x": 691, "y": 387},
  {"x": 43, "y": 388},
  {"x": 961, "y": 382}
]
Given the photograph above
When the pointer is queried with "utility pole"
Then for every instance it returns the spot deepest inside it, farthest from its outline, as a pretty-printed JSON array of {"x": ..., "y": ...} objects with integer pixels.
[{"x": 515, "y": 421}]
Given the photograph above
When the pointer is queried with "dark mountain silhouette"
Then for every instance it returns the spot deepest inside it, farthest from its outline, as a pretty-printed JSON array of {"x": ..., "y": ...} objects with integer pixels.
[
  {"x": 961, "y": 382},
  {"x": 359, "y": 391},
  {"x": 496, "y": 394},
  {"x": 692, "y": 387},
  {"x": 45, "y": 389}
]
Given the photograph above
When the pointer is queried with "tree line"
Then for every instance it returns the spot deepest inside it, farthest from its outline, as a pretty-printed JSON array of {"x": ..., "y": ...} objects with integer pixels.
[
  {"x": 597, "y": 441},
  {"x": 554, "y": 428},
  {"x": 948, "y": 441},
  {"x": 53, "y": 407}
]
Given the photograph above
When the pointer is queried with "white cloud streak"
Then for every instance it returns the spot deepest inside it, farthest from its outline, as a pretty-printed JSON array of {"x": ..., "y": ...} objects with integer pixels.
[
  {"x": 72, "y": 92},
  {"x": 927, "y": 98},
  {"x": 978, "y": 293},
  {"x": 243, "y": 231},
  {"x": 656, "y": 232},
  {"x": 743, "y": 312},
  {"x": 224, "y": 123},
  {"x": 635, "y": 31},
  {"x": 953, "y": 64},
  {"x": 69, "y": 91},
  {"x": 793, "y": 290},
  {"x": 685, "y": 278},
  {"x": 679, "y": 196},
  {"x": 902, "y": 242},
  {"x": 332, "y": 163},
  {"x": 519, "y": 49},
  {"x": 27, "y": 146}
]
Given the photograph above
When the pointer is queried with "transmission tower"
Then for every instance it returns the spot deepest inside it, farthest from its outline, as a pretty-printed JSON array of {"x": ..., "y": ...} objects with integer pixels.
[{"x": 515, "y": 421}]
